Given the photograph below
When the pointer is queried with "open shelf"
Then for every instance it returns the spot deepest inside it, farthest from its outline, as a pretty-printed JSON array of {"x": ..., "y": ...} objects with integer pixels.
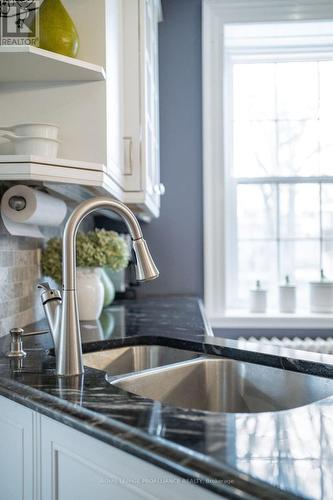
[
  {"x": 70, "y": 177},
  {"x": 23, "y": 168},
  {"x": 15, "y": 160},
  {"x": 30, "y": 168},
  {"x": 31, "y": 64},
  {"x": 75, "y": 180}
]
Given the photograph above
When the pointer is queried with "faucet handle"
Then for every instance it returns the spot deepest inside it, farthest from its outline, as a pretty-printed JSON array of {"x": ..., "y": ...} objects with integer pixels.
[
  {"x": 48, "y": 293},
  {"x": 44, "y": 286}
]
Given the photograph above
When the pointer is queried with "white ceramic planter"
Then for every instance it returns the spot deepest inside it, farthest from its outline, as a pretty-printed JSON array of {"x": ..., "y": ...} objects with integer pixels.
[
  {"x": 287, "y": 298},
  {"x": 321, "y": 296},
  {"x": 90, "y": 293}
]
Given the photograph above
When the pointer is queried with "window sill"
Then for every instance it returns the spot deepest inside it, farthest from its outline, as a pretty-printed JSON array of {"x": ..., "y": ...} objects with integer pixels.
[{"x": 301, "y": 319}]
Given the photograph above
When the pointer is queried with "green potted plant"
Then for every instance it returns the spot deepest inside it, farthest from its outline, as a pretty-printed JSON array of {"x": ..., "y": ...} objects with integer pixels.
[{"x": 94, "y": 251}]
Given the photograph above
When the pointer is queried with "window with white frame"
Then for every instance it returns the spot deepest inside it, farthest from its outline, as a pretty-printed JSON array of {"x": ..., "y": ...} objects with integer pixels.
[
  {"x": 267, "y": 155},
  {"x": 278, "y": 166}
]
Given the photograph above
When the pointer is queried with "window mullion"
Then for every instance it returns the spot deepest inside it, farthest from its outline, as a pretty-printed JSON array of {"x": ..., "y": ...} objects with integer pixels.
[
  {"x": 320, "y": 227},
  {"x": 278, "y": 235}
]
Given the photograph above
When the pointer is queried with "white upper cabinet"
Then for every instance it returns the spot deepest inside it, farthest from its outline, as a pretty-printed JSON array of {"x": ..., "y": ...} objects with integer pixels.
[
  {"x": 141, "y": 106},
  {"x": 105, "y": 103}
]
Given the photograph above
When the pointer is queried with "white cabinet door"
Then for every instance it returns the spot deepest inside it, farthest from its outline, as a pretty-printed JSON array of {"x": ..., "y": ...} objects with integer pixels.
[
  {"x": 132, "y": 98},
  {"x": 114, "y": 89},
  {"x": 141, "y": 105},
  {"x": 17, "y": 457},
  {"x": 75, "y": 465},
  {"x": 150, "y": 12}
]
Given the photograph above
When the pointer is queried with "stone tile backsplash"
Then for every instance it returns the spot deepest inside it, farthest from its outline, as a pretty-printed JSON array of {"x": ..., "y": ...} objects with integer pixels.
[{"x": 19, "y": 274}]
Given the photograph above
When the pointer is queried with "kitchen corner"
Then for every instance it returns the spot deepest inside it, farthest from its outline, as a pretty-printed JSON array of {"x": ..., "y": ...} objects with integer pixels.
[{"x": 166, "y": 249}]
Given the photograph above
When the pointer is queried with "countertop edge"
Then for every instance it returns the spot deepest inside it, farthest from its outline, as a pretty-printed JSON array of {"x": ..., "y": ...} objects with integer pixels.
[{"x": 203, "y": 471}]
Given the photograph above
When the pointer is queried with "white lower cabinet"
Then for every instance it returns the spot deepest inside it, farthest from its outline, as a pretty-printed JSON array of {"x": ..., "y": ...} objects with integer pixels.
[
  {"x": 17, "y": 458},
  {"x": 41, "y": 459}
]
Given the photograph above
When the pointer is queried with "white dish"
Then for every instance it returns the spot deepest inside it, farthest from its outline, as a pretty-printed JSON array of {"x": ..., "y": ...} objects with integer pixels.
[
  {"x": 41, "y": 146},
  {"x": 45, "y": 130}
]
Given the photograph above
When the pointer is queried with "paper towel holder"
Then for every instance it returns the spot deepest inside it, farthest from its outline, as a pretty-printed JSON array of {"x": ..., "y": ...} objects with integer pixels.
[{"x": 17, "y": 203}]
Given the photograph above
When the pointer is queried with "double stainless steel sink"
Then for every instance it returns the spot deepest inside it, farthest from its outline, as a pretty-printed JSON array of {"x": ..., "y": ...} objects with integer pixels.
[
  {"x": 123, "y": 360},
  {"x": 192, "y": 380}
]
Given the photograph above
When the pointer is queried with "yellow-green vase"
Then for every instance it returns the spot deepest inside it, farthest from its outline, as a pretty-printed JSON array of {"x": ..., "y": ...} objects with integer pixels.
[{"x": 57, "y": 31}]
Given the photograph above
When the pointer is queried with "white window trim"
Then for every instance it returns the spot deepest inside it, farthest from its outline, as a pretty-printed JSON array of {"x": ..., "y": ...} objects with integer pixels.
[
  {"x": 303, "y": 320},
  {"x": 217, "y": 13}
]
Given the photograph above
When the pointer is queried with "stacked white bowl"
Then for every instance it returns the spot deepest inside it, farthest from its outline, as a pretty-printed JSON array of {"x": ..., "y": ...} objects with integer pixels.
[{"x": 40, "y": 139}]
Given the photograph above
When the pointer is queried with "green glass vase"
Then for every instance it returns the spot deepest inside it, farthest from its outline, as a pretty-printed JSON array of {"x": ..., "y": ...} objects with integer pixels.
[{"x": 57, "y": 31}]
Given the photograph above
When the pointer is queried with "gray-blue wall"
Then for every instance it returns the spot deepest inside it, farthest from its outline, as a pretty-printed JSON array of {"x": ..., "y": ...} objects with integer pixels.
[{"x": 175, "y": 238}]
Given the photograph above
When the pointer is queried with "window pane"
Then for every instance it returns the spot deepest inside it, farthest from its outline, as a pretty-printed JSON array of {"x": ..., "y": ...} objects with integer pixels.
[
  {"x": 299, "y": 211},
  {"x": 327, "y": 210},
  {"x": 326, "y": 86},
  {"x": 254, "y": 149},
  {"x": 301, "y": 261},
  {"x": 257, "y": 260},
  {"x": 326, "y": 117},
  {"x": 256, "y": 211},
  {"x": 326, "y": 146},
  {"x": 281, "y": 124},
  {"x": 328, "y": 259},
  {"x": 253, "y": 88},
  {"x": 297, "y": 90},
  {"x": 298, "y": 148}
]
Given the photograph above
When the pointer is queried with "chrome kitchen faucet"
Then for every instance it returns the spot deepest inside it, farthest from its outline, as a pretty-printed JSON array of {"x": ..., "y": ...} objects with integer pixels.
[{"x": 61, "y": 309}]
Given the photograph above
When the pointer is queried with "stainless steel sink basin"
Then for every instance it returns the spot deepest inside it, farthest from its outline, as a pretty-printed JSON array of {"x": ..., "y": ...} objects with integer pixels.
[
  {"x": 135, "y": 358},
  {"x": 225, "y": 385}
]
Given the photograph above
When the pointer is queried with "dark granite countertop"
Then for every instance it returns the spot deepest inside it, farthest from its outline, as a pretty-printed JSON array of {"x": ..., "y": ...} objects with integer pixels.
[{"x": 284, "y": 454}]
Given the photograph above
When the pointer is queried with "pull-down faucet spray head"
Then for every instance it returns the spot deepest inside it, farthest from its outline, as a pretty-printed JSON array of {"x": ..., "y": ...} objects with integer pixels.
[{"x": 144, "y": 266}]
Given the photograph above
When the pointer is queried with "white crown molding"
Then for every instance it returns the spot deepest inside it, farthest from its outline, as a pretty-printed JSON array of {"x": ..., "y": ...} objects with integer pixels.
[{"x": 269, "y": 10}]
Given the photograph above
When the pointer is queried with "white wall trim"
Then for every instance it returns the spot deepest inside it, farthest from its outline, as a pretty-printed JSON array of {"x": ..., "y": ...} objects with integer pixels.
[
  {"x": 215, "y": 14},
  {"x": 213, "y": 179},
  {"x": 235, "y": 319},
  {"x": 229, "y": 11}
]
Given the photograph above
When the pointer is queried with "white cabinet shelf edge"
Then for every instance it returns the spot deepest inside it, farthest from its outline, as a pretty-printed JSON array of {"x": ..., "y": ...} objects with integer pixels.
[
  {"x": 70, "y": 173},
  {"x": 31, "y": 64}
]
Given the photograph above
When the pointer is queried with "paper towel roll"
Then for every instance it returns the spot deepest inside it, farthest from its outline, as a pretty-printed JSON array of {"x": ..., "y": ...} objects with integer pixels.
[{"x": 40, "y": 209}]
